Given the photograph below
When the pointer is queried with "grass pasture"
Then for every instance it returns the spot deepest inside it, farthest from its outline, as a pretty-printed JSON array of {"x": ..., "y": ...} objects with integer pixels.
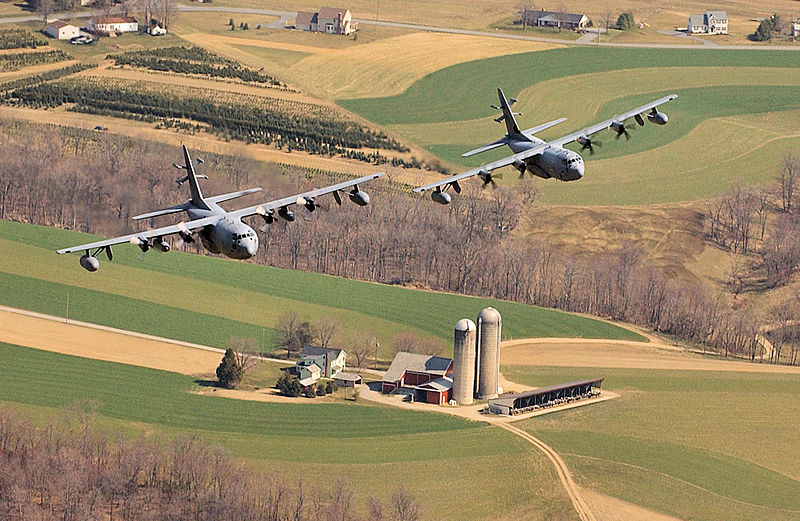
[
  {"x": 318, "y": 443},
  {"x": 691, "y": 444},
  {"x": 180, "y": 285}
]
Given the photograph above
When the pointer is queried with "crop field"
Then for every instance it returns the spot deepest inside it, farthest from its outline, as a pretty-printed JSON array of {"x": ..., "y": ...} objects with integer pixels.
[
  {"x": 690, "y": 444},
  {"x": 742, "y": 111},
  {"x": 169, "y": 290},
  {"x": 363, "y": 443}
]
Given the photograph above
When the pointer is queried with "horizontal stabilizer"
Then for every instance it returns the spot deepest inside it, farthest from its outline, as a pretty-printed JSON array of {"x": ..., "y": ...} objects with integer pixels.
[
  {"x": 165, "y": 211},
  {"x": 232, "y": 195},
  {"x": 490, "y": 146},
  {"x": 531, "y": 131}
]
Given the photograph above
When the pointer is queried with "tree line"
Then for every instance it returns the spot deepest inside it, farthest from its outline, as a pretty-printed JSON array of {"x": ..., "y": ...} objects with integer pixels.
[
  {"x": 72, "y": 470},
  {"x": 80, "y": 180}
]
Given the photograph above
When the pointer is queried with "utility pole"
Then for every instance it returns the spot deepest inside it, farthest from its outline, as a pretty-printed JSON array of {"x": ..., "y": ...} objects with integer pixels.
[
  {"x": 377, "y": 10},
  {"x": 377, "y": 345},
  {"x": 66, "y": 316}
]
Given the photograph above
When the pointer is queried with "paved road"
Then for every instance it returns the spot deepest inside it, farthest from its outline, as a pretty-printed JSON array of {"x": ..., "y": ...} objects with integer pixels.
[{"x": 285, "y": 16}]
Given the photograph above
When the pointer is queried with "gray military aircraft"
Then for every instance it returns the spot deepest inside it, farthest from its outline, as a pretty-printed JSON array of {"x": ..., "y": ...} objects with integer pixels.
[
  {"x": 546, "y": 159},
  {"x": 220, "y": 231}
]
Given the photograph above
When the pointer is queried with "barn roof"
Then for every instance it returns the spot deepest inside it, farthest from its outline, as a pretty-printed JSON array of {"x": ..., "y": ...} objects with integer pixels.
[
  {"x": 418, "y": 363},
  {"x": 440, "y": 384},
  {"x": 508, "y": 400}
]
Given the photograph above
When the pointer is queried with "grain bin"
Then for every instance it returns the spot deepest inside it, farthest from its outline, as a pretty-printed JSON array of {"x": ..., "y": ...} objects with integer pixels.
[
  {"x": 488, "y": 359},
  {"x": 464, "y": 344}
]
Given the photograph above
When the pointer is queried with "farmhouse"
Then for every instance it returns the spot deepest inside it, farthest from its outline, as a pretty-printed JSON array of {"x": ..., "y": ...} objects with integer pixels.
[
  {"x": 112, "y": 25},
  {"x": 557, "y": 19},
  {"x": 428, "y": 378},
  {"x": 329, "y": 20},
  {"x": 795, "y": 30},
  {"x": 545, "y": 397},
  {"x": 61, "y": 30},
  {"x": 710, "y": 22},
  {"x": 329, "y": 361}
]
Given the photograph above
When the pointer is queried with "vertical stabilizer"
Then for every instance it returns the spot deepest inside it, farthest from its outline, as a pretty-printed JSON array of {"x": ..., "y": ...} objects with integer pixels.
[
  {"x": 508, "y": 116},
  {"x": 197, "y": 195}
]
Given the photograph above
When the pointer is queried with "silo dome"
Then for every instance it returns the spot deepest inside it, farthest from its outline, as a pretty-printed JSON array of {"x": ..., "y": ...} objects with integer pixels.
[
  {"x": 488, "y": 360},
  {"x": 464, "y": 343}
]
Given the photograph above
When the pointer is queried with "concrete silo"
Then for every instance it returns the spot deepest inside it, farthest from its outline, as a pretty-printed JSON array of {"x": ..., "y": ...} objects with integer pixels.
[
  {"x": 488, "y": 360},
  {"x": 464, "y": 361}
]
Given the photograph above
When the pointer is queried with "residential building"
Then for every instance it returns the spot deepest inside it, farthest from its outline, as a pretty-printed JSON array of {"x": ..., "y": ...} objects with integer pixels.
[
  {"x": 794, "y": 31},
  {"x": 543, "y": 18},
  {"x": 112, "y": 25},
  {"x": 710, "y": 22},
  {"x": 330, "y": 361},
  {"x": 61, "y": 30},
  {"x": 331, "y": 20}
]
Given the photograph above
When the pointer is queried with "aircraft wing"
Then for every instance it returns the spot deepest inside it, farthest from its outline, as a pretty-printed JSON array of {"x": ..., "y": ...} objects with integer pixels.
[
  {"x": 569, "y": 138},
  {"x": 488, "y": 167},
  {"x": 295, "y": 199},
  {"x": 158, "y": 232}
]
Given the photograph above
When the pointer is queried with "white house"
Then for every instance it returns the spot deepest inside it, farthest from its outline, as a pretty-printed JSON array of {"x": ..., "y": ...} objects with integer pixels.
[
  {"x": 113, "y": 24},
  {"x": 330, "y": 20},
  {"x": 795, "y": 30},
  {"x": 61, "y": 30},
  {"x": 710, "y": 22}
]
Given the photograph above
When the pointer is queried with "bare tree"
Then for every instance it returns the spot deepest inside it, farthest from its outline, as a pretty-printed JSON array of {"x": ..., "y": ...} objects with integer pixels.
[
  {"x": 413, "y": 343},
  {"x": 292, "y": 333},
  {"x": 787, "y": 178},
  {"x": 374, "y": 509},
  {"x": 523, "y": 10},
  {"x": 404, "y": 508},
  {"x": 325, "y": 329},
  {"x": 363, "y": 346},
  {"x": 45, "y": 7},
  {"x": 167, "y": 11},
  {"x": 244, "y": 349}
]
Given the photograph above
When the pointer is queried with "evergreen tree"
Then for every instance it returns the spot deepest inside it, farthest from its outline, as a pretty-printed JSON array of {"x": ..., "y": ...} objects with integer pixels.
[
  {"x": 229, "y": 372},
  {"x": 625, "y": 22},
  {"x": 289, "y": 385}
]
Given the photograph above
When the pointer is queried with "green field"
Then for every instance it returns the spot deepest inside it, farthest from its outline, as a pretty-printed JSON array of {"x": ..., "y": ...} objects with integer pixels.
[
  {"x": 691, "y": 444},
  {"x": 168, "y": 290},
  {"x": 587, "y": 85},
  {"x": 318, "y": 442}
]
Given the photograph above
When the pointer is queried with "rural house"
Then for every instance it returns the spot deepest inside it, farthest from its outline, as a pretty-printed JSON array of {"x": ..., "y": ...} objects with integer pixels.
[
  {"x": 430, "y": 377},
  {"x": 794, "y": 32},
  {"x": 710, "y": 22},
  {"x": 329, "y": 20},
  {"x": 557, "y": 19},
  {"x": 329, "y": 361},
  {"x": 112, "y": 25},
  {"x": 61, "y": 30}
]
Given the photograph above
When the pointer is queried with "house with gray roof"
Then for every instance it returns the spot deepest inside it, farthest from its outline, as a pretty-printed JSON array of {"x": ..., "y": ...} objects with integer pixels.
[
  {"x": 560, "y": 20},
  {"x": 710, "y": 22},
  {"x": 331, "y": 20},
  {"x": 330, "y": 361}
]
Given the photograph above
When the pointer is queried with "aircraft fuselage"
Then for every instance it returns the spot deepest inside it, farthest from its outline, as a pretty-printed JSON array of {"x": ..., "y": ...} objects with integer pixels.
[
  {"x": 554, "y": 162},
  {"x": 230, "y": 237}
]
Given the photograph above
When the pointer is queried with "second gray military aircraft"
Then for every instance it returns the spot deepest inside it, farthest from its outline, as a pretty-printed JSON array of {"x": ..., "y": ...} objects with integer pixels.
[
  {"x": 546, "y": 159},
  {"x": 220, "y": 231}
]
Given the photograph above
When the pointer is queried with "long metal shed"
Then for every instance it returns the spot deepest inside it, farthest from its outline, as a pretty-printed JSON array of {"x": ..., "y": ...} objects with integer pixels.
[{"x": 543, "y": 397}]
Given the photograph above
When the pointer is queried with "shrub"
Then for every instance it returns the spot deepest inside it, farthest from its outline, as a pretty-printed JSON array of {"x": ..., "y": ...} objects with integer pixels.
[{"x": 230, "y": 372}]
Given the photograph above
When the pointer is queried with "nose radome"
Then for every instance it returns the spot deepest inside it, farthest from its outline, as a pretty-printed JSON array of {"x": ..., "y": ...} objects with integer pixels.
[
  {"x": 578, "y": 167},
  {"x": 252, "y": 247}
]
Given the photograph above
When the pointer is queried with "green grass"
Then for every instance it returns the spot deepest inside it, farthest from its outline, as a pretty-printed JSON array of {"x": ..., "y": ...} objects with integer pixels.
[
  {"x": 258, "y": 295},
  {"x": 315, "y": 442},
  {"x": 692, "y": 444},
  {"x": 466, "y": 84}
]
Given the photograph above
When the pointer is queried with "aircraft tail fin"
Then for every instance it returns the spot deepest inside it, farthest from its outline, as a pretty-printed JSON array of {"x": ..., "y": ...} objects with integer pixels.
[
  {"x": 507, "y": 116},
  {"x": 191, "y": 176}
]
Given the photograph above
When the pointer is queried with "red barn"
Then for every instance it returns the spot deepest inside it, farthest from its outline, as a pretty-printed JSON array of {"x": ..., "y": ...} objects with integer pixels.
[{"x": 429, "y": 376}]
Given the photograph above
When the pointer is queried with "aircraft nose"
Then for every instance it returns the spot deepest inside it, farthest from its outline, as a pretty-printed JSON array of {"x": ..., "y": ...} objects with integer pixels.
[
  {"x": 252, "y": 247},
  {"x": 577, "y": 169}
]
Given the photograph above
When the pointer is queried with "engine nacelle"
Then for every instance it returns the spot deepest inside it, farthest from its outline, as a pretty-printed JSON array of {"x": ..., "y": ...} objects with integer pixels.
[
  {"x": 286, "y": 214},
  {"x": 161, "y": 245},
  {"x": 186, "y": 237},
  {"x": 360, "y": 197},
  {"x": 89, "y": 263},
  {"x": 440, "y": 197},
  {"x": 659, "y": 118},
  {"x": 520, "y": 165},
  {"x": 143, "y": 244},
  {"x": 485, "y": 176},
  {"x": 618, "y": 127}
]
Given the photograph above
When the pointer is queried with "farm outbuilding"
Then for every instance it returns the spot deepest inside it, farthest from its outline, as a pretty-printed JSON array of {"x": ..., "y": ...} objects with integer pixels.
[
  {"x": 428, "y": 378},
  {"x": 61, "y": 30},
  {"x": 545, "y": 397},
  {"x": 348, "y": 379}
]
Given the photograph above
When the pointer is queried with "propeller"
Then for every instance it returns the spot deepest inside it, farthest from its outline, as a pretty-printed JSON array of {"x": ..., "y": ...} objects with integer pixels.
[
  {"x": 309, "y": 202},
  {"x": 268, "y": 216},
  {"x": 588, "y": 143},
  {"x": 620, "y": 129},
  {"x": 488, "y": 178},
  {"x": 184, "y": 235}
]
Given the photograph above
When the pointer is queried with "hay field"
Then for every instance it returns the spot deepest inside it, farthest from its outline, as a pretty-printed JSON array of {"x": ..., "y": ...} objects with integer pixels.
[
  {"x": 363, "y": 443},
  {"x": 689, "y": 437},
  {"x": 174, "y": 292}
]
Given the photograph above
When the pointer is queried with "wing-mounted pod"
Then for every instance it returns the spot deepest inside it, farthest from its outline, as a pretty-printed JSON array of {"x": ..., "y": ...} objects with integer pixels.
[{"x": 89, "y": 261}]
